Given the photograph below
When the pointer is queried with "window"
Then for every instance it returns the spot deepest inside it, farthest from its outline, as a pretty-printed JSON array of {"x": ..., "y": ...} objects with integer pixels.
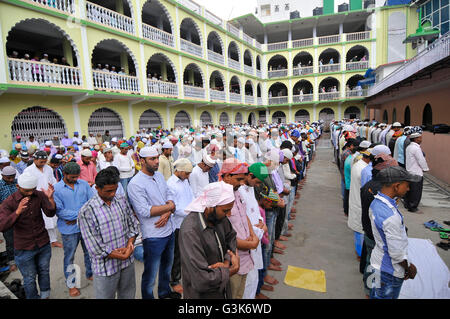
[
  {"x": 286, "y": 7},
  {"x": 444, "y": 3},
  {"x": 444, "y": 15},
  {"x": 277, "y": 8},
  {"x": 427, "y": 118},
  {"x": 407, "y": 120},
  {"x": 385, "y": 116},
  {"x": 265, "y": 10},
  {"x": 394, "y": 116}
]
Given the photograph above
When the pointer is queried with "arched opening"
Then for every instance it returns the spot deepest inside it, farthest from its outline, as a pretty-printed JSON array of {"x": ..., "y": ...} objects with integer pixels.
[
  {"x": 224, "y": 120},
  {"x": 105, "y": 119},
  {"x": 150, "y": 120},
  {"x": 182, "y": 119},
  {"x": 193, "y": 82},
  {"x": 191, "y": 39},
  {"x": 258, "y": 65},
  {"x": 215, "y": 43},
  {"x": 249, "y": 88},
  {"x": 357, "y": 58},
  {"x": 238, "y": 118},
  {"x": 234, "y": 56},
  {"x": 161, "y": 76},
  {"x": 258, "y": 90},
  {"x": 277, "y": 66},
  {"x": 279, "y": 117},
  {"x": 407, "y": 120},
  {"x": 235, "y": 90},
  {"x": 205, "y": 118},
  {"x": 302, "y": 115},
  {"x": 252, "y": 119},
  {"x": 40, "y": 122},
  {"x": 114, "y": 67},
  {"x": 353, "y": 87},
  {"x": 156, "y": 23},
  {"x": 327, "y": 115},
  {"x": 303, "y": 64},
  {"x": 394, "y": 115},
  {"x": 40, "y": 52},
  {"x": 427, "y": 117},
  {"x": 352, "y": 112},
  {"x": 248, "y": 60},
  {"x": 303, "y": 91},
  {"x": 217, "y": 86},
  {"x": 329, "y": 89},
  {"x": 329, "y": 61},
  {"x": 278, "y": 94},
  {"x": 385, "y": 116},
  {"x": 114, "y": 14}
]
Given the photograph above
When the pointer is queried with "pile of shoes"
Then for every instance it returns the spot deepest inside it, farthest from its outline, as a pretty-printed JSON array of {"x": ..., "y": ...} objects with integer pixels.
[
  {"x": 443, "y": 232},
  {"x": 16, "y": 288}
]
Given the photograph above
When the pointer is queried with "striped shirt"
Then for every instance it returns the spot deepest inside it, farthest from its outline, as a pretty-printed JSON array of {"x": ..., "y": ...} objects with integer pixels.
[{"x": 106, "y": 228}]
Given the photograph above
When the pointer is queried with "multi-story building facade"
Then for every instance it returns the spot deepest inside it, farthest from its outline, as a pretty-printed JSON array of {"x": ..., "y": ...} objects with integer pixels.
[{"x": 180, "y": 65}]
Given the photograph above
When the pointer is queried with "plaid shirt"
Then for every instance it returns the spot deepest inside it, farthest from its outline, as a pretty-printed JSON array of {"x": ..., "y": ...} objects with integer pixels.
[
  {"x": 106, "y": 228},
  {"x": 7, "y": 189}
]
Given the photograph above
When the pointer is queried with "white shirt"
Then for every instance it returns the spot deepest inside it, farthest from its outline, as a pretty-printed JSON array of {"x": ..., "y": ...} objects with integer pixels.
[
  {"x": 196, "y": 156},
  {"x": 354, "y": 207},
  {"x": 102, "y": 164},
  {"x": 184, "y": 196},
  {"x": 198, "y": 180},
  {"x": 415, "y": 161},
  {"x": 92, "y": 140},
  {"x": 125, "y": 164},
  {"x": 28, "y": 144}
]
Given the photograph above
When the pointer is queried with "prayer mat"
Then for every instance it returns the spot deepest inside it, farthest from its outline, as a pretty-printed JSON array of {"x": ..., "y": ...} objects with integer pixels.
[{"x": 306, "y": 279}]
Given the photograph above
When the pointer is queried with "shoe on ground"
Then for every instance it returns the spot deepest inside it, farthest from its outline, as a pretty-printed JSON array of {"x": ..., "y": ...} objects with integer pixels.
[
  {"x": 415, "y": 211},
  {"x": 74, "y": 292}
]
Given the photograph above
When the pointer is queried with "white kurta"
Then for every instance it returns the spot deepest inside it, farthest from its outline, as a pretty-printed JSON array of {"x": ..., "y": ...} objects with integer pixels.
[
  {"x": 198, "y": 180},
  {"x": 354, "y": 208},
  {"x": 45, "y": 177}
]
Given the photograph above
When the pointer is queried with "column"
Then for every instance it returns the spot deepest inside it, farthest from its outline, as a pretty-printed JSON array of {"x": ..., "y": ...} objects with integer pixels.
[
  {"x": 169, "y": 124},
  {"x": 265, "y": 38},
  {"x": 290, "y": 36},
  {"x": 124, "y": 62},
  {"x": 119, "y": 6},
  {"x": 87, "y": 67},
  {"x": 164, "y": 71},
  {"x": 3, "y": 73},
  {"x": 130, "y": 115},
  {"x": 191, "y": 77},
  {"x": 76, "y": 118},
  {"x": 67, "y": 49}
]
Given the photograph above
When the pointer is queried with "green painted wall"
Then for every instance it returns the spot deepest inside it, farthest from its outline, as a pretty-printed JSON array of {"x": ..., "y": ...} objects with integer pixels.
[{"x": 355, "y": 5}]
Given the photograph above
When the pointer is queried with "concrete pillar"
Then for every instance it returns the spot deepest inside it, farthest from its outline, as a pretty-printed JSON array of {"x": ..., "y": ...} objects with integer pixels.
[
  {"x": 189, "y": 35},
  {"x": 341, "y": 28},
  {"x": 315, "y": 32},
  {"x": 124, "y": 62},
  {"x": 265, "y": 37},
  {"x": 191, "y": 77},
  {"x": 67, "y": 49},
  {"x": 119, "y": 6},
  {"x": 164, "y": 71}
]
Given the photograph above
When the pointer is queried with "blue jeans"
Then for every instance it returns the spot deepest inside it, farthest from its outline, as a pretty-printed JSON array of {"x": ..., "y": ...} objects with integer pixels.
[
  {"x": 270, "y": 222},
  {"x": 70, "y": 244},
  {"x": 124, "y": 182},
  {"x": 158, "y": 255},
  {"x": 262, "y": 272},
  {"x": 390, "y": 287},
  {"x": 31, "y": 263}
]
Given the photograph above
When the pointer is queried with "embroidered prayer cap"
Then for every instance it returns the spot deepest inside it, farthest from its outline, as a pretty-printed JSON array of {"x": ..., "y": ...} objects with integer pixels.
[
  {"x": 27, "y": 181},
  {"x": 149, "y": 151},
  {"x": 381, "y": 149},
  {"x": 40, "y": 155},
  {"x": 86, "y": 153}
]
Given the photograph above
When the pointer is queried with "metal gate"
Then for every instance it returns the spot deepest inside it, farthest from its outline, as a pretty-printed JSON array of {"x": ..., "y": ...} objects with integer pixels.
[
  {"x": 238, "y": 118},
  {"x": 302, "y": 115},
  {"x": 182, "y": 119},
  {"x": 327, "y": 115},
  {"x": 352, "y": 113},
  {"x": 40, "y": 122},
  {"x": 150, "y": 119},
  {"x": 279, "y": 117},
  {"x": 105, "y": 119},
  {"x": 252, "y": 119},
  {"x": 224, "y": 119},
  {"x": 205, "y": 119}
]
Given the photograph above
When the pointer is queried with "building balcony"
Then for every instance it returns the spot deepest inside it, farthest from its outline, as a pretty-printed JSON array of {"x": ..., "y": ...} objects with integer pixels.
[
  {"x": 44, "y": 74},
  {"x": 249, "y": 99},
  {"x": 109, "y": 18},
  {"x": 234, "y": 64},
  {"x": 277, "y": 46},
  {"x": 194, "y": 92},
  {"x": 233, "y": 30},
  {"x": 161, "y": 88},
  {"x": 157, "y": 35},
  {"x": 329, "y": 68},
  {"x": 329, "y": 96},
  {"x": 235, "y": 97},
  {"x": 357, "y": 36},
  {"x": 303, "y": 70},
  {"x": 259, "y": 74},
  {"x": 361, "y": 65},
  {"x": 191, "y": 48},
  {"x": 303, "y": 98},
  {"x": 216, "y": 57},
  {"x": 277, "y": 73},
  {"x": 60, "y": 5},
  {"x": 216, "y": 95},
  {"x": 249, "y": 69},
  {"x": 259, "y": 100},
  {"x": 331, "y": 39},
  {"x": 114, "y": 82},
  {"x": 213, "y": 18},
  {"x": 356, "y": 93},
  {"x": 302, "y": 43},
  {"x": 278, "y": 100},
  {"x": 191, "y": 6}
]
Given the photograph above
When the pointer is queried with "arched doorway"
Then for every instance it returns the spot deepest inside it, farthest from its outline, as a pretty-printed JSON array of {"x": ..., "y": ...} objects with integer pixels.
[
  {"x": 326, "y": 115},
  {"x": 407, "y": 120},
  {"x": 205, "y": 119},
  {"x": 238, "y": 118},
  {"x": 385, "y": 117},
  {"x": 224, "y": 120},
  {"x": 352, "y": 112},
  {"x": 279, "y": 117},
  {"x": 394, "y": 115},
  {"x": 252, "y": 119},
  {"x": 182, "y": 119},
  {"x": 38, "y": 121},
  {"x": 302, "y": 115},
  {"x": 427, "y": 117},
  {"x": 150, "y": 120},
  {"x": 105, "y": 119}
]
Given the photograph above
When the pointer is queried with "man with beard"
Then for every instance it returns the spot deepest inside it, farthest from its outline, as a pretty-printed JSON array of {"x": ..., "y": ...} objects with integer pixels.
[{"x": 208, "y": 244}]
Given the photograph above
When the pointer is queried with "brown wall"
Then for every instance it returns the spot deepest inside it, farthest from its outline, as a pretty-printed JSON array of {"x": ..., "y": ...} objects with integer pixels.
[{"x": 437, "y": 153}]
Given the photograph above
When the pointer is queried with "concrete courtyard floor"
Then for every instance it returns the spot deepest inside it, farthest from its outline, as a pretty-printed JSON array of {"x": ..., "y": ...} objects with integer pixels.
[{"x": 321, "y": 239}]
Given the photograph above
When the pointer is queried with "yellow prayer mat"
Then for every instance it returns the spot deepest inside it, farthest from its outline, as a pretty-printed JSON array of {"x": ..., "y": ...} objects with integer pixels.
[{"x": 306, "y": 279}]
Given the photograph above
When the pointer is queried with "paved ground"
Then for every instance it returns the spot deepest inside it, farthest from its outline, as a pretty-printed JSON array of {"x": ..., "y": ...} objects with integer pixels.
[{"x": 321, "y": 238}]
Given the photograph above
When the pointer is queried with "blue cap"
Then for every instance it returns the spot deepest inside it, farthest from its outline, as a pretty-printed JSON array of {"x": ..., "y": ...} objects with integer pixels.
[{"x": 295, "y": 133}]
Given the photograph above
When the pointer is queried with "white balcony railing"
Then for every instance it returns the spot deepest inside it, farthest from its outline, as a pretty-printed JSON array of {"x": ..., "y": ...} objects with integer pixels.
[
  {"x": 258, "y": 45},
  {"x": 216, "y": 57},
  {"x": 249, "y": 69},
  {"x": 232, "y": 29},
  {"x": 62, "y": 5},
  {"x": 303, "y": 98},
  {"x": 277, "y": 73},
  {"x": 194, "y": 92},
  {"x": 191, "y": 5},
  {"x": 329, "y": 96},
  {"x": 43, "y": 73},
  {"x": 234, "y": 64},
  {"x": 330, "y": 39},
  {"x": 235, "y": 97},
  {"x": 162, "y": 88},
  {"x": 277, "y": 46},
  {"x": 213, "y": 18},
  {"x": 302, "y": 43},
  {"x": 192, "y": 48},
  {"x": 249, "y": 99},
  {"x": 216, "y": 95},
  {"x": 278, "y": 100},
  {"x": 115, "y": 82},
  {"x": 259, "y": 100},
  {"x": 109, "y": 18},
  {"x": 303, "y": 70},
  {"x": 358, "y": 36},
  {"x": 259, "y": 73},
  {"x": 356, "y": 92},
  {"x": 248, "y": 39},
  {"x": 329, "y": 68},
  {"x": 361, "y": 65},
  {"x": 157, "y": 35}
]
